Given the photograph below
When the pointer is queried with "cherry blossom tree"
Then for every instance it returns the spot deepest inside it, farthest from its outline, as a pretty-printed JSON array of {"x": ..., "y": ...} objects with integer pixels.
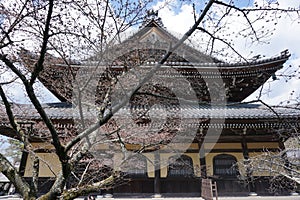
[{"x": 39, "y": 33}]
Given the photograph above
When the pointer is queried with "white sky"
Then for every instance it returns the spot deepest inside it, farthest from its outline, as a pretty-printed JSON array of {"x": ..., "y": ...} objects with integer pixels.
[
  {"x": 286, "y": 36},
  {"x": 180, "y": 19}
]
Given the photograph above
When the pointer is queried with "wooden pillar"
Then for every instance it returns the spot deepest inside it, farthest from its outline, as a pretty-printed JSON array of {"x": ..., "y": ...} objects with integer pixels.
[
  {"x": 202, "y": 162},
  {"x": 251, "y": 183},
  {"x": 24, "y": 158},
  {"x": 157, "y": 190},
  {"x": 35, "y": 175},
  {"x": 202, "y": 156},
  {"x": 203, "y": 167}
]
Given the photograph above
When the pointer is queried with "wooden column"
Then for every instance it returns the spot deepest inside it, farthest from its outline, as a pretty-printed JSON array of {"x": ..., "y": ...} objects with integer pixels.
[
  {"x": 251, "y": 184},
  {"x": 157, "y": 190},
  {"x": 202, "y": 156},
  {"x": 202, "y": 159},
  {"x": 24, "y": 158},
  {"x": 202, "y": 162}
]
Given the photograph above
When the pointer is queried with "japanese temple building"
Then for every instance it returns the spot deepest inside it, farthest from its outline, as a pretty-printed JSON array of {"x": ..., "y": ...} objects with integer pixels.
[{"x": 227, "y": 129}]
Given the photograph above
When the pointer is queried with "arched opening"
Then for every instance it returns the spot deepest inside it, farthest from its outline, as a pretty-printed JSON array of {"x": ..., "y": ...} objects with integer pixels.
[
  {"x": 182, "y": 166},
  {"x": 180, "y": 180},
  {"x": 225, "y": 166},
  {"x": 136, "y": 178},
  {"x": 135, "y": 166}
]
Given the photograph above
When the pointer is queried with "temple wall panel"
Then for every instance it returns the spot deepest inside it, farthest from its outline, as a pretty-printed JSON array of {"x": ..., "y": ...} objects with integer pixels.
[
  {"x": 150, "y": 165},
  {"x": 28, "y": 167},
  {"x": 235, "y": 149},
  {"x": 196, "y": 163},
  {"x": 265, "y": 163},
  {"x": 164, "y": 157},
  {"x": 209, "y": 162},
  {"x": 164, "y": 164},
  {"x": 223, "y": 146},
  {"x": 132, "y": 146},
  {"x": 101, "y": 146},
  {"x": 119, "y": 157},
  {"x": 49, "y": 165},
  {"x": 192, "y": 146},
  {"x": 42, "y": 146},
  {"x": 117, "y": 160},
  {"x": 263, "y": 145}
]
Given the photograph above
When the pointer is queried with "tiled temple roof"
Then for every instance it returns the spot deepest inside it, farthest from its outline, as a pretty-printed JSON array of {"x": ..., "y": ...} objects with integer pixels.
[
  {"x": 188, "y": 111},
  {"x": 284, "y": 55},
  {"x": 239, "y": 79},
  {"x": 140, "y": 118}
]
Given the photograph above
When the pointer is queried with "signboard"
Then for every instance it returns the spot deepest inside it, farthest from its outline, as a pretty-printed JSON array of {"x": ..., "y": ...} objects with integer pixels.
[{"x": 207, "y": 189}]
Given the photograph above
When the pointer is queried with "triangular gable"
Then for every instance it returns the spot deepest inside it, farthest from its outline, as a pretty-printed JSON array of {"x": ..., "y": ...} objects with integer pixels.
[{"x": 153, "y": 33}]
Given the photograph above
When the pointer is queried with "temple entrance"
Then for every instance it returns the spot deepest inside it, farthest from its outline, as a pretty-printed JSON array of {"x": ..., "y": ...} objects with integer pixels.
[{"x": 181, "y": 179}]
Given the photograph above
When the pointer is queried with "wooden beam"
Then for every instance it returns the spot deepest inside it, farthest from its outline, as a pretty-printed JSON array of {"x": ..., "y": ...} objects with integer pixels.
[
  {"x": 249, "y": 174},
  {"x": 157, "y": 189}
]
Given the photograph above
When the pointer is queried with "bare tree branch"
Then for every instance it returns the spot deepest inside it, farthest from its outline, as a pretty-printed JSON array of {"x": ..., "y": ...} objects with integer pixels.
[{"x": 39, "y": 65}]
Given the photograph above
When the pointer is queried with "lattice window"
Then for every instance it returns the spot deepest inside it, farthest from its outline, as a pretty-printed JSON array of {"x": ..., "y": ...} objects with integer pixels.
[
  {"x": 225, "y": 165},
  {"x": 182, "y": 166},
  {"x": 136, "y": 166}
]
